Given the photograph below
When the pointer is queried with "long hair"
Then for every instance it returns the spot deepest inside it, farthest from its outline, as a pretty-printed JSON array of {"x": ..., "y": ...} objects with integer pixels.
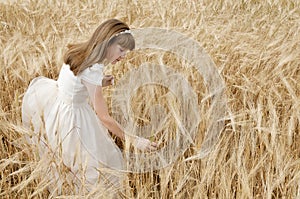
[{"x": 83, "y": 55}]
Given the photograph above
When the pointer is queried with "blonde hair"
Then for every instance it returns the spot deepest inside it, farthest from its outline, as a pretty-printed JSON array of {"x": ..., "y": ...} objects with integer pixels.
[{"x": 83, "y": 55}]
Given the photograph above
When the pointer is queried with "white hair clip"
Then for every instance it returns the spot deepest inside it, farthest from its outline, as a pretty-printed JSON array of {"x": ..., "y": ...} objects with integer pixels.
[{"x": 123, "y": 32}]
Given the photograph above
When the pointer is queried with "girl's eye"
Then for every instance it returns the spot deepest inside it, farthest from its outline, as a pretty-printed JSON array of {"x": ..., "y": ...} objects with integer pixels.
[{"x": 122, "y": 50}]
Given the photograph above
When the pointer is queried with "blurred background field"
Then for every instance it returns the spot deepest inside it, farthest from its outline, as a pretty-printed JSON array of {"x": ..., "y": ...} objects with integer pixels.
[{"x": 255, "y": 46}]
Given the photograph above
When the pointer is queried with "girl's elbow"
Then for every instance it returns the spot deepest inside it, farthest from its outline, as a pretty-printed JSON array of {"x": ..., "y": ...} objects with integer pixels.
[{"x": 104, "y": 118}]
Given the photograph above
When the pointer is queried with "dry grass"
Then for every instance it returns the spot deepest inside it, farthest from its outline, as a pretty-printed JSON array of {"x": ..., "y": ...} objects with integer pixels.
[{"x": 255, "y": 45}]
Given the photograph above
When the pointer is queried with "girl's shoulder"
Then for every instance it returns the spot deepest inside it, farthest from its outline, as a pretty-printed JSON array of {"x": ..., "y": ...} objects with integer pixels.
[{"x": 93, "y": 74}]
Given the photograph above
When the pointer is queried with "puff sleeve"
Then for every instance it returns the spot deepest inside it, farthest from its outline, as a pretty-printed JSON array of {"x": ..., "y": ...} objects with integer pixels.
[{"x": 93, "y": 74}]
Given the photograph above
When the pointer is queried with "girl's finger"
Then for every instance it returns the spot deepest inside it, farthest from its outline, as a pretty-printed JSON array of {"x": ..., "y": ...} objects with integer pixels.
[
  {"x": 154, "y": 144},
  {"x": 112, "y": 81},
  {"x": 109, "y": 77}
]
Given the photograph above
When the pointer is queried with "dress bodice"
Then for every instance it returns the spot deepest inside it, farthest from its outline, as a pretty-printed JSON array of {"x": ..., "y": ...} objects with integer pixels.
[{"x": 70, "y": 86}]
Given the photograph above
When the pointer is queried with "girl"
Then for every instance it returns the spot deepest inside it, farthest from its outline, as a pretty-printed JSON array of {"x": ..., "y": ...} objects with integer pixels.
[{"x": 73, "y": 126}]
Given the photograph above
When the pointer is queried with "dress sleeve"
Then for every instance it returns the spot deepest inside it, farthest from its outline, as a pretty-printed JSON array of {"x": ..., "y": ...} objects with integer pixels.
[{"x": 93, "y": 74}]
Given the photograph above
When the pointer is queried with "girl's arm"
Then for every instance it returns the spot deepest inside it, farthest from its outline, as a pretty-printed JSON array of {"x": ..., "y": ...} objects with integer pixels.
[{"x": 100, "y": 107}]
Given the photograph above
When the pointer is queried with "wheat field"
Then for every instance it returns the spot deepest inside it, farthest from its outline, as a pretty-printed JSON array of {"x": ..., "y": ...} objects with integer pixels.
[{"x": 255, "y": 46}]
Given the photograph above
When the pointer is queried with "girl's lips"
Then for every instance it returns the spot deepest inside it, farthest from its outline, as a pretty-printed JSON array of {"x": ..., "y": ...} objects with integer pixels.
[{"x": 116, "y": 61}]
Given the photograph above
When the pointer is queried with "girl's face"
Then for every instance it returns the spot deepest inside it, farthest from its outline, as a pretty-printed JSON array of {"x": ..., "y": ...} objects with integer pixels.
[{"x": 115, "y": 53}]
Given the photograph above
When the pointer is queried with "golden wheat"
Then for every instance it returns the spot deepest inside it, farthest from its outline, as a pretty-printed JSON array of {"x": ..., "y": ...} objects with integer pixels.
[{"x": 255, "y": 46}]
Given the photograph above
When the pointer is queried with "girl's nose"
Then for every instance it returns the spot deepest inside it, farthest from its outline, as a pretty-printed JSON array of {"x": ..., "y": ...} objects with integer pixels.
[{"x": 123, "y": 54}]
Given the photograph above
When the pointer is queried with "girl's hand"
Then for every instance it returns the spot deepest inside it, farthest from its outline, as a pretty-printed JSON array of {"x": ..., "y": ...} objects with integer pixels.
[
  {"x": 107, "y": 80},
  {"x": 144, "y": 144}
]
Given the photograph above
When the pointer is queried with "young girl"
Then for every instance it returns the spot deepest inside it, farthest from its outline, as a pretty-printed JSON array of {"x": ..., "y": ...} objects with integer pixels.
[{"x": 62, "y": 110}]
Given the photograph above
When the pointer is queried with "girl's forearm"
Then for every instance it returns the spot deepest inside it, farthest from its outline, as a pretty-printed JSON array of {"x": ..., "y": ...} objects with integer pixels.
[{"x": 113, "y": 126}]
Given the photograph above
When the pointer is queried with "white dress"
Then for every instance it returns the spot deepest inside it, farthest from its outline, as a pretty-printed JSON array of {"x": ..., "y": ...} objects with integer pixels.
[{"x": 62, "y": 110}]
